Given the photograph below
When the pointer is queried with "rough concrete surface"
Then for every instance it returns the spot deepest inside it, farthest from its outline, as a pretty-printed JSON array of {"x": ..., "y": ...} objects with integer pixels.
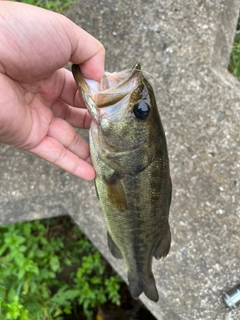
[{"x": 185, "y": 45}]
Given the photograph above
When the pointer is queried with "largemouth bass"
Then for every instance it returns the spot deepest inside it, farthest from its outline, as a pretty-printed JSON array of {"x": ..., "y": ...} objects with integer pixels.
[{"x": 129, "y": 154}]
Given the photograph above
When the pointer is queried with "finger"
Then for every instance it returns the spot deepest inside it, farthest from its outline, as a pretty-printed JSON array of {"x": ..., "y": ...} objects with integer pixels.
[
  {"x": 64, "y": 133},
  {"x": 78, "y": 118},
  {"x": 89, "y": 53},
  {"x": 47, "y": 34},
  {"x": 54, "y": 152}
]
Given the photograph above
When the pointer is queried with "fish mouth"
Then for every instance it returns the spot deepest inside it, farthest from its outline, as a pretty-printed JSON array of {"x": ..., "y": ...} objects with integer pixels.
[{"x": 109, "y": 97}]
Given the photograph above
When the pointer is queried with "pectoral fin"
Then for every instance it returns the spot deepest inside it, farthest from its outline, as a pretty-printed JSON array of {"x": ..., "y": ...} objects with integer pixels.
[
  {"x": 113, "y": 248},
  {"x": 115, "y": 192}
]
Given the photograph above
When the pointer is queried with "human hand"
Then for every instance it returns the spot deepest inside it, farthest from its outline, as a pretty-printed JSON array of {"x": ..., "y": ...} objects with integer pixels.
[{"x": 37, "y": 95}]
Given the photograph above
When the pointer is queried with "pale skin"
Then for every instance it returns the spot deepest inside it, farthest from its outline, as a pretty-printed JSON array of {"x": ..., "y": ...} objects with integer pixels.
[{"x": 39, "y": 101}]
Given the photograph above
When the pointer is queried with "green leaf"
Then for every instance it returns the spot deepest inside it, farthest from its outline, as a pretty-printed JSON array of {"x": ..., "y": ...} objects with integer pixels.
[
  {"x": 63, "y": 297},
  {"x": 54, "y": 263},
  {"x": 11, "y": 295}
]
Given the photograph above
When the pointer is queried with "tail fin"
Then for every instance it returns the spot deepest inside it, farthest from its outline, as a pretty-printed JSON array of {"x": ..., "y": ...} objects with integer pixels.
[{"x": 146, "y": 285}]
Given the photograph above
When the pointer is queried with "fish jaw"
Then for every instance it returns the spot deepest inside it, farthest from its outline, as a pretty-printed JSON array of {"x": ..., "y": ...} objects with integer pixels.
[
  {"x": 109, "y": 98},
  {"x": 85, "y": 90}
]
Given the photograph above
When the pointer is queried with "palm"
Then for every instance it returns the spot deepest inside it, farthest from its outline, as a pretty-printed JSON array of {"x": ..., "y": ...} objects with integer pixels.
[
  {"x": 38, "y": 96},
  {"x": 42, "y": 120}
]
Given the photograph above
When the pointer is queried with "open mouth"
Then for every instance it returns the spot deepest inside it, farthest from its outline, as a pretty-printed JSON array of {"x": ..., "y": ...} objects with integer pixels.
[
  {"x": 112, "y": 88},
  {"x": 109, "y": 97}
]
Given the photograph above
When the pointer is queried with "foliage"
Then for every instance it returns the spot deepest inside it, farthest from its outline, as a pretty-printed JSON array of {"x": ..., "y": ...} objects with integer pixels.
[
  {"x": 234, "y": 65},
  {"x": 31, "y": 264},
  {"x": 55, "y": 5}
]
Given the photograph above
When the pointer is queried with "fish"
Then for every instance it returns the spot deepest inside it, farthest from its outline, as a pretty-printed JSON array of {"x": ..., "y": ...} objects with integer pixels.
[{"x": 129, "y": 154}]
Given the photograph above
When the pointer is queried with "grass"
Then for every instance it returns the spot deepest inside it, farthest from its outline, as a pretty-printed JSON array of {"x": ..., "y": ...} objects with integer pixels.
[
  {"x": 59, "y": 6},
  {"x": 234, "y": 65}
]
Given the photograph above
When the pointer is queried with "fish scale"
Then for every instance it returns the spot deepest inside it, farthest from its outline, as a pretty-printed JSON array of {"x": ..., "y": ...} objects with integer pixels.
[{"x": 129, "y": 154}]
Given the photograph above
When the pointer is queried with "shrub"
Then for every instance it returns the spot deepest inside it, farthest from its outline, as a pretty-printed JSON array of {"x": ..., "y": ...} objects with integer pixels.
[{"x": 32, "y": 264}]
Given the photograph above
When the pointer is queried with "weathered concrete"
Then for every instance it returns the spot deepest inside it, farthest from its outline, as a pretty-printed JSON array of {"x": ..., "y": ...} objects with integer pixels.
[{"x": 186, "y": 46}]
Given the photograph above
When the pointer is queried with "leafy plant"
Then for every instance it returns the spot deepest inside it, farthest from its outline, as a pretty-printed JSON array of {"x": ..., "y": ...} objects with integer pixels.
[
  {"x": 31, "y": 268},
  {"x": 234, "y": 65},
  {"x": 55, "y": 5}
]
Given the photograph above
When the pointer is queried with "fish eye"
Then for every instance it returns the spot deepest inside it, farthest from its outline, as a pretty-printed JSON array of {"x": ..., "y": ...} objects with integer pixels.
[{"x": 141, "y": 110}]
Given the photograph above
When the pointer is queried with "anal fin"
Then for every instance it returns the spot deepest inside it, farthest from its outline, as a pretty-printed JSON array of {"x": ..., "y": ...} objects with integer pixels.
[
  {"x": 113, "y": 248},
  {"x": 163, "y": 246}
]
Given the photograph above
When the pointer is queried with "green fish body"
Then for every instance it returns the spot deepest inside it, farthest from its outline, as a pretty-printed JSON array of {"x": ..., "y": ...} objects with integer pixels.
[{"x": 129, "y": 153}]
